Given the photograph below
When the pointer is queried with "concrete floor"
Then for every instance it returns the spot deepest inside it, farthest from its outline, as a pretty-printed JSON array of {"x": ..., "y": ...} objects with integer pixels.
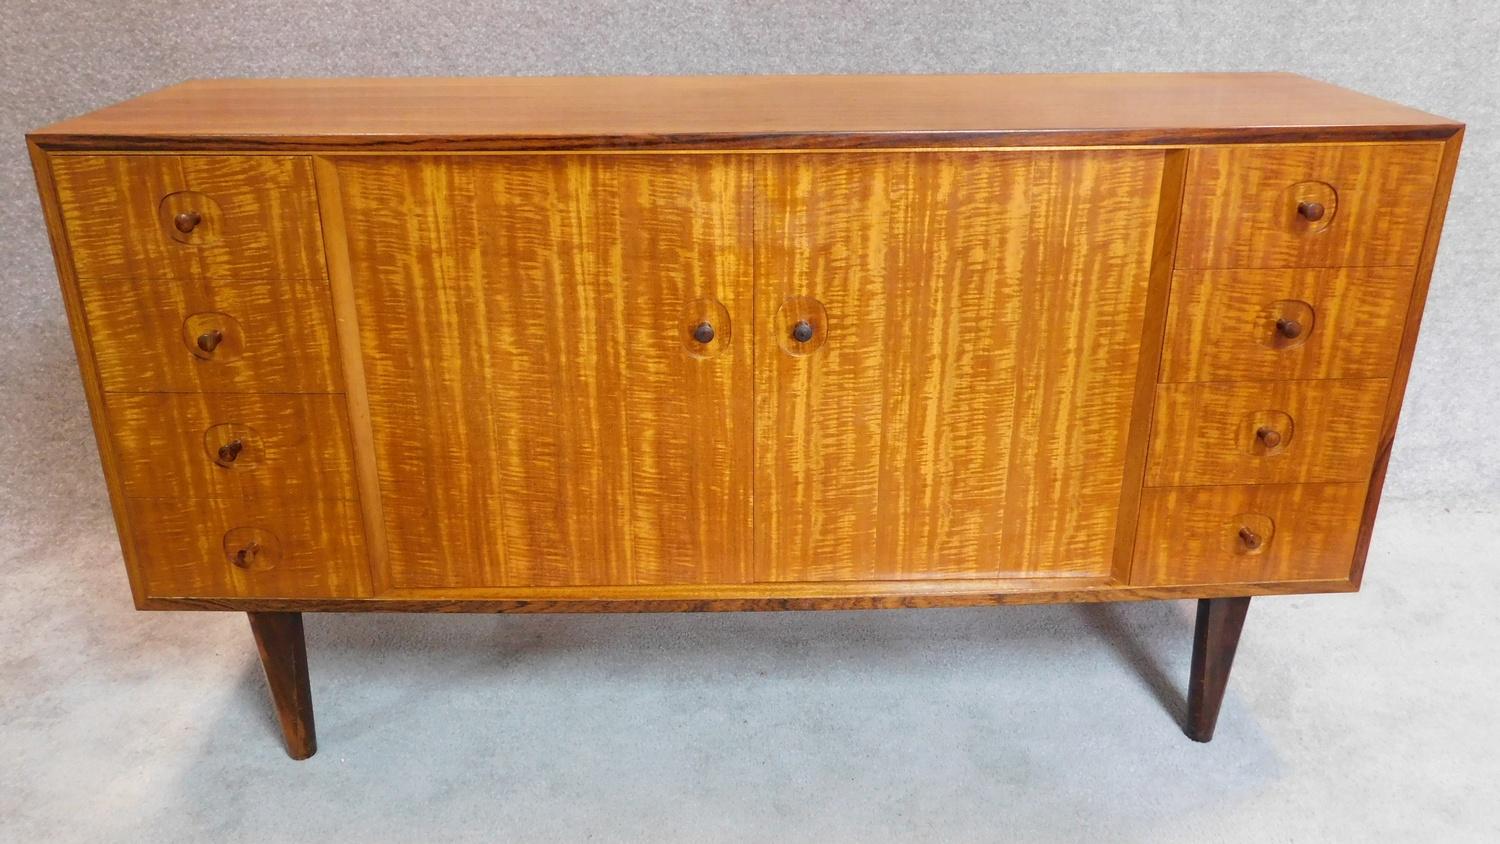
[{"x": 1349, "y": 717}]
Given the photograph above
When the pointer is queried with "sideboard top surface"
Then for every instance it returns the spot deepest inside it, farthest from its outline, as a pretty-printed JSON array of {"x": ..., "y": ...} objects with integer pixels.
[{"x": 746, "y": 112}]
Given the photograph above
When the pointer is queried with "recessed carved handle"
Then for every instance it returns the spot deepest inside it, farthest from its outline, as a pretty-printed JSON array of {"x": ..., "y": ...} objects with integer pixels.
[
  {"x": 1310, "y": 211},
  {"x": 1250, "y": 539},
  {"x": 1268, "y": 436},
  {"x": 1291, "y": 329},
  {"x": 229, "y": 451},
  {"x": 245, "y": 557},
  {"x": 704, "y": 333},
  {"x": 802, "y": 331},
  {"x": 187, "y": 221},
  {"x": 210, "y": 340}
]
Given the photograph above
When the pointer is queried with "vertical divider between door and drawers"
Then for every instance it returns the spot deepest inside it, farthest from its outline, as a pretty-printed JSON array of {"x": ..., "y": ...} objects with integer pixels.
[
  {"x": 1153, "y": 338},
  {"x": 346, "y": 327}
]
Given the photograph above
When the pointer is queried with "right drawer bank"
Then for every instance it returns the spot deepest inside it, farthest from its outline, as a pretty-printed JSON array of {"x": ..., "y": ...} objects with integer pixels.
[{"x": 1290, "y": 289}]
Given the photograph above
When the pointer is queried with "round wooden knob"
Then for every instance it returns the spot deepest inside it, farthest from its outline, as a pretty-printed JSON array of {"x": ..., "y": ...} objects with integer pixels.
[
  {"x": 1269, "y": 436},
  {"x": 245, "y": 556},
  {"x": 802, "y": 331},
  {"x": 230, "y": 451},
  {"x": 1291, "y": 329},
  {"x": 704, "y": 333},
  {"x": 1250, "y": 538},
  {"x": 187, "y": 221},
  {"x": 210, "y": 340},
  {"x": 1310, "y": 211}
]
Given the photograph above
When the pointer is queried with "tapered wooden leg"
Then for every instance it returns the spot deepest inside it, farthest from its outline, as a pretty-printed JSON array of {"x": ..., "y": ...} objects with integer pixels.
[
  {"x": 283, "y": 653},
  {"x": 1214, "y": 643}
]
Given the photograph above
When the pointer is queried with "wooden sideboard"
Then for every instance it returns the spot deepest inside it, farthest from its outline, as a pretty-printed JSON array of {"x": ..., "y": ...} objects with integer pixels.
[{"x": 740, "y": 343}]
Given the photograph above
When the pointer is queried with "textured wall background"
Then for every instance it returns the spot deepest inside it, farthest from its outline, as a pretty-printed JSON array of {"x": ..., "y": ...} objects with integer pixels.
[{"x": 59, "y": 58}]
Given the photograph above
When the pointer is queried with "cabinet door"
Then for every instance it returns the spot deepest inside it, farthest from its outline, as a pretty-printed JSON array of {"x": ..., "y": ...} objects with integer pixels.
[
  {"x": 947, "y": 349},
  {"x": 546, "y": 403}
]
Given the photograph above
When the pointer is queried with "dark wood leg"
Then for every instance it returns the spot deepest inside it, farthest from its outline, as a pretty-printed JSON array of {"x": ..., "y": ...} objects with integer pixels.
[
  {"x": 283, "y": 653},
  {"x": 1214, "y": 643}
]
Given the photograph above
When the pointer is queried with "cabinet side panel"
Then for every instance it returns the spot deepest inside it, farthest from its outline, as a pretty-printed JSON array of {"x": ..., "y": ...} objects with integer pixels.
[
  {"x": 1432, "y": 234},
  {"x": 93, "y": 391}
]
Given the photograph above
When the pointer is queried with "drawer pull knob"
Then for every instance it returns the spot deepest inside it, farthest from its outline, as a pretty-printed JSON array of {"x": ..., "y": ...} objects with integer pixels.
[
  {"x": 802, "y": 331},
  {"x": 704, "y": 333},
  {"x": 1250, "y": 538},
  {"x": 1291, "y": 329},
  {"x": 210, "y": 340},
  {"x": 229, "y": 451},
  {"x": 1269, "y": 436},
  {"x": 1310, "y": 211},
  {"x": 187, "y": 221},
  {"x": 245, "y": 557}
]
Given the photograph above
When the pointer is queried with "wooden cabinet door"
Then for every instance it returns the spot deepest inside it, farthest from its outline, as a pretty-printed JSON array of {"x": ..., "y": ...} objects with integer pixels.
[
  {"x": 961, "y": 401},
  {"x": 542, "y": 412}
]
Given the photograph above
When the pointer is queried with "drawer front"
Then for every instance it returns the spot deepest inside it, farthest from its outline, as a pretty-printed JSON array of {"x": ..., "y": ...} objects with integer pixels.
[
  {"x": 1365, "y": 205},
  {"x": 190, "y": 216},
  {"x": 1247, "y": 534},
  {"x": 1244, "y": 325},
  {"x": 1272, "y": 432},
  {"x": 273, "y": 548},
  {"x": 149, "y": 335},
  {"x": 231, "y": 446}
]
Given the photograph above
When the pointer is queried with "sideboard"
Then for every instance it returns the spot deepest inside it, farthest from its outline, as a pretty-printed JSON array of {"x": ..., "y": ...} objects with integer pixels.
[{"x": 743, "y": 343}]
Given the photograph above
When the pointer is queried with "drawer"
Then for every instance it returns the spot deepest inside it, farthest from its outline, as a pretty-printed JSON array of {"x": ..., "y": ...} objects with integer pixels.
[
  {"x": 272, "y": 548},
  {"x": 272, "y": 336},
  {"x": 226, "y": 445},
  {"x": 1247, "y": 534},
  {"x": 190, "y": 216},
  {"x": 1262, "y": 433},
  {"x": 1244, "y": 325},
  {"x": 1364, "y": 205}
]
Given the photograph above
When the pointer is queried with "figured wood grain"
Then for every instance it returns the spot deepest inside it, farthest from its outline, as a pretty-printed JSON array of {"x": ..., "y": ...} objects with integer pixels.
[
  {"x": 539, "y": 414},
  {"x": 1189, "y": 535},
  {"x": 293, "y": 445},
  {"x": 277, "y": 335},
  {"x": 260, "y": 221},
  {"x": 686, "y": 594},
  {"x": 1222, "y": 324},
  {"x": 1206, "y": 433},
  {"x": 1240, "y": 209},
  {"x": 720, "y": 112},
  {"x": 181, "y": 549},
  {"x": 953, "y": 422}
]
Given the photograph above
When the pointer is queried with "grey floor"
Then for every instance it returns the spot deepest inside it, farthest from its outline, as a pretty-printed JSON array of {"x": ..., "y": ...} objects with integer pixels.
[{"x": 1350, "y": 717}]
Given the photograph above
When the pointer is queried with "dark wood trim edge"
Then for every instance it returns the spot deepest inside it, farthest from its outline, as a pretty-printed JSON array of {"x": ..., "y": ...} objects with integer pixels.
[
  {"x": 1164, "y": 136},
  {"x": 765, "y": 602}
]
